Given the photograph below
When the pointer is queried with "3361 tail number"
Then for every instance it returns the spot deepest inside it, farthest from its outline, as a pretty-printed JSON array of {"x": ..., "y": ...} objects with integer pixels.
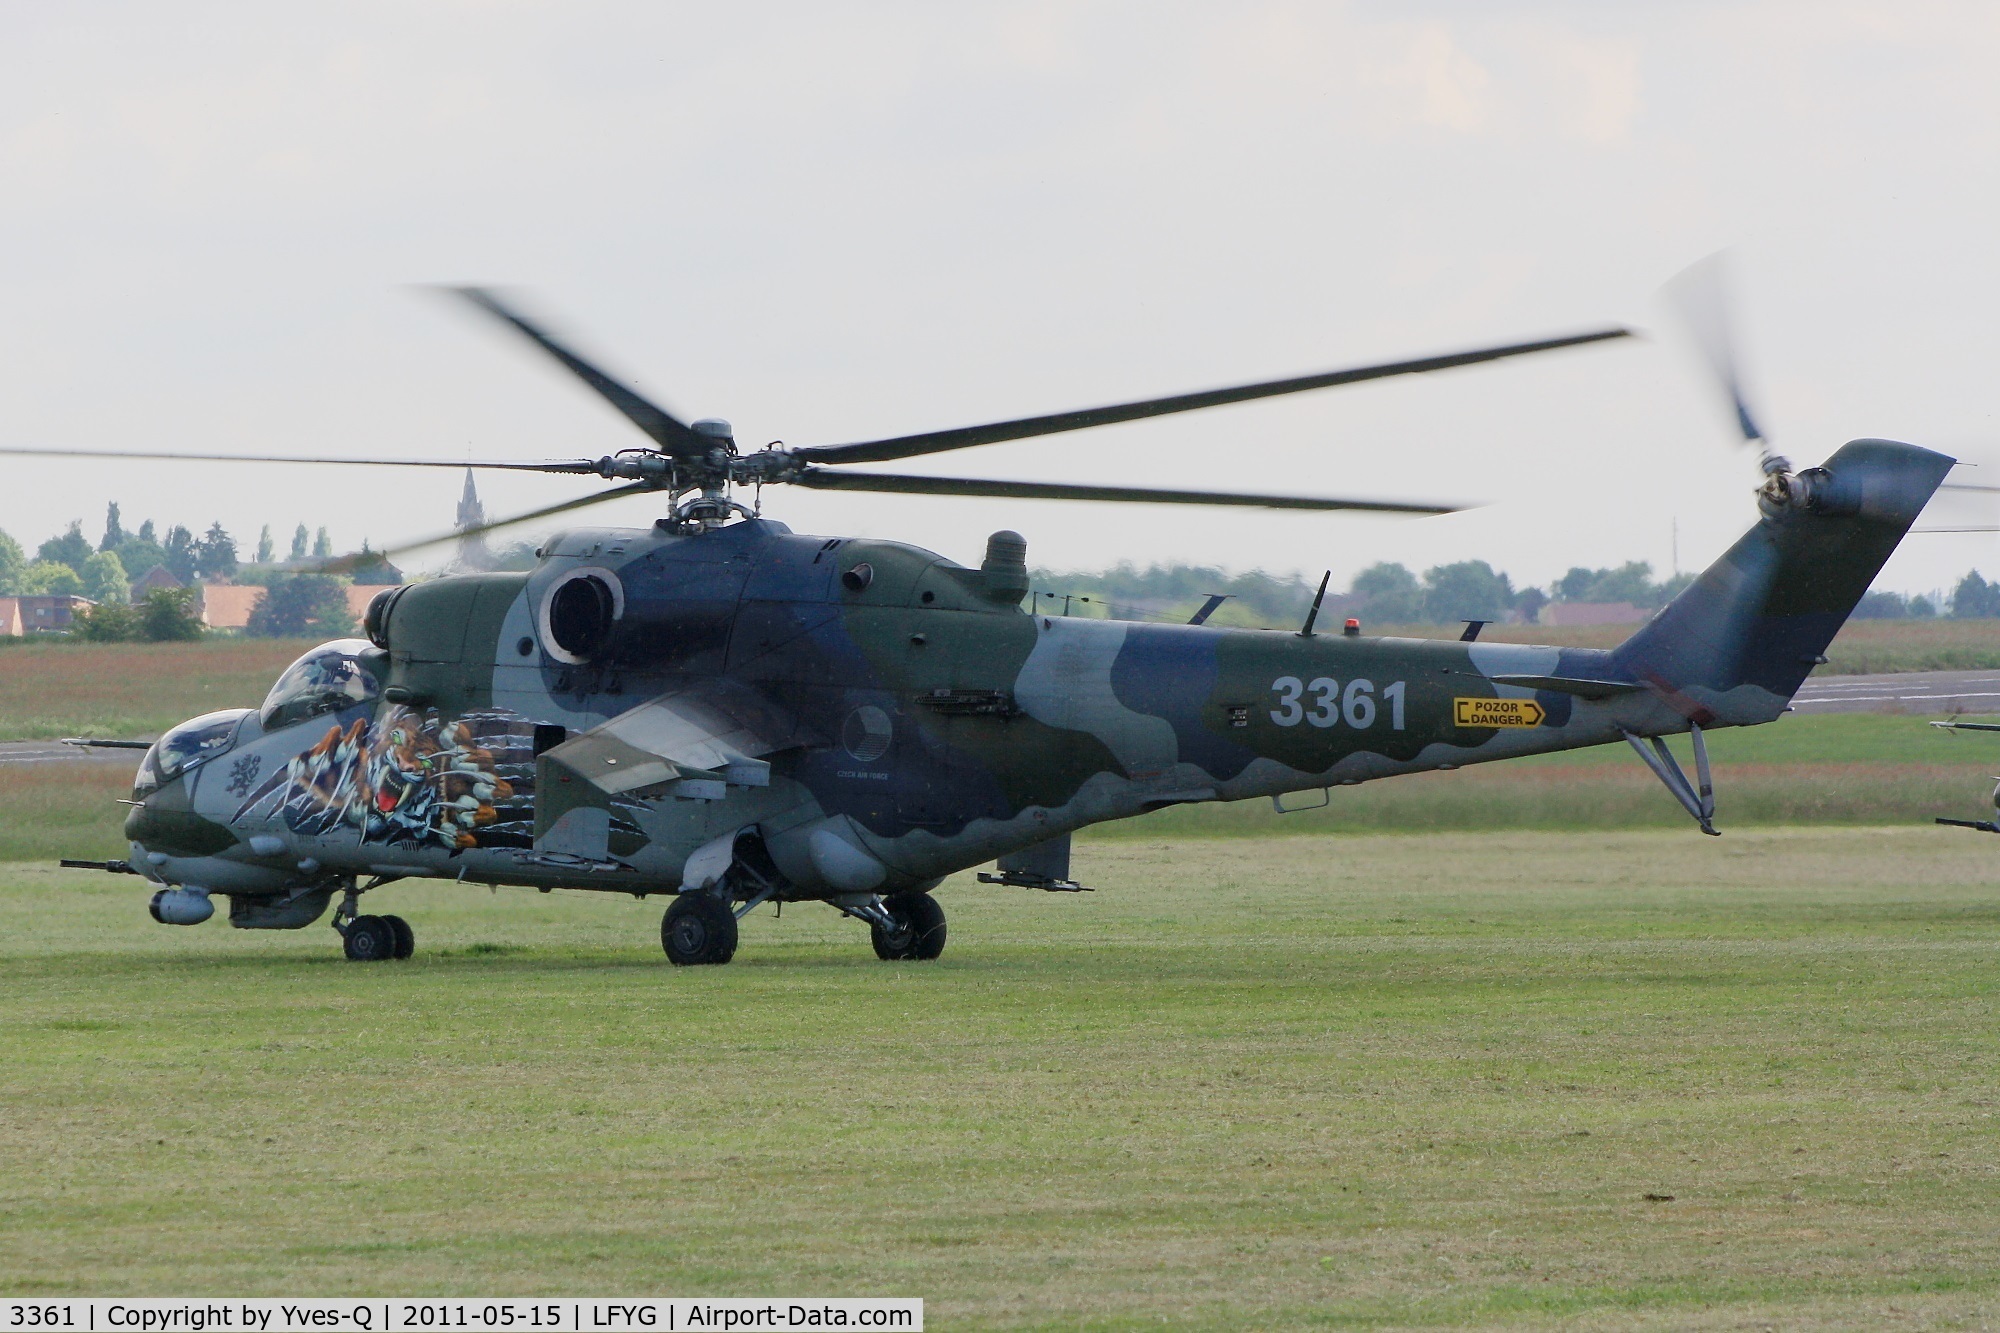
[{"x": 1323, "y": 703}]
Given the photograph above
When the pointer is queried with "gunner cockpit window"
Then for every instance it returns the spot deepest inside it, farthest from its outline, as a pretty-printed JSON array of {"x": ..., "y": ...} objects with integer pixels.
[
  {"x": 327, "y": 679},
  {"x": 192, "y": 741}
]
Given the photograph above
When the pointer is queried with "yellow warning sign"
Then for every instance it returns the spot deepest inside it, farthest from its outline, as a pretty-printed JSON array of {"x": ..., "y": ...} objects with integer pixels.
[{"x": 1496, "y": 712}]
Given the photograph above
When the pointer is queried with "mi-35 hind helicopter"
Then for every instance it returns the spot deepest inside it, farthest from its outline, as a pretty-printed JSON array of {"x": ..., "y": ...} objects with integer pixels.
[{"x": 720, "y": 710}]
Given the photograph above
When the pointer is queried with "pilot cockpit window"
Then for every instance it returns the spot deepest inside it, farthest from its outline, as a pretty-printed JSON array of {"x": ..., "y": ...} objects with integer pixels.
[
  {"x": 193, "y": 740},
  {"x": 327, "y": 679}
]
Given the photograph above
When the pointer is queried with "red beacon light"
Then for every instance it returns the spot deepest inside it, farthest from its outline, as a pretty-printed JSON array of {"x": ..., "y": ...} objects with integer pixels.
[{"x": 1352, "y": 629}]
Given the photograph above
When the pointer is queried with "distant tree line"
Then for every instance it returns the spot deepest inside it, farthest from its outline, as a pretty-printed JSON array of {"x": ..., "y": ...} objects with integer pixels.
[
  {"x": 1393, "y": 594},
  {"x": 299, "y": 606},
  {"x": 297, "y": 603},
  {"x": 1973, "y": 599},
  {"x": 1126, "y": 589},
  {"x": 163, "y": 615},
  {"x": 105, "y": 570},
  {"x": 1384, "y": 593}
]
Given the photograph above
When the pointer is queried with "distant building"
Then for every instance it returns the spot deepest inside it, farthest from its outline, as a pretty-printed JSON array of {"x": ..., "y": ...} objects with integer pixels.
[
  {"x": 360, "y": 594},
  {"x": 48, "y": 614},
  {"x": 472, "y": 552},
  {"x": 228, "y": 606},
  {"x": 159, "y": 576},
  {"x": 1593, "y": 613}
]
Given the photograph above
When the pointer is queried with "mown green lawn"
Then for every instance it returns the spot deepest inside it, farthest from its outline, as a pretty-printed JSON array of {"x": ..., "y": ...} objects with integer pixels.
[
  {"x": 1389, "y": 1080},
  {"x": 55, "y": 687}
]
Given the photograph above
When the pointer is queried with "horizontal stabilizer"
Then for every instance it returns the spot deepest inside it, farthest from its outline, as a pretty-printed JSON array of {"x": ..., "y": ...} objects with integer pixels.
[{"x": 1582, "y": 689}]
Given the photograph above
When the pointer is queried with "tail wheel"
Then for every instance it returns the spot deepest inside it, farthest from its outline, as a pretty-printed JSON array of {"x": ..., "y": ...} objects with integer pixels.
[
  {"x": 406, "y": 939},
  {"x": 699, "y": 928},
  {"x": 370, "y": 939},
  {"x": 919, "y": 933}
]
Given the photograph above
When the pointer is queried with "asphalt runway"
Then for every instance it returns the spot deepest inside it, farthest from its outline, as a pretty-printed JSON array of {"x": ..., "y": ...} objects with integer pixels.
[
  {"x": 1915, "y": 692},
  {"x": 55, "y": 752}
]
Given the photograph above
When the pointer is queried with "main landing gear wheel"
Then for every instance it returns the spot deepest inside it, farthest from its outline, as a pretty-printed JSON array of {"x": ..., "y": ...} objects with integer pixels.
[
  {"x": 371, "y": 939},
  {"x": 919, "y": 932},
  {"x": 406, "y": 939},
  {"x": 699, "y": 928}
]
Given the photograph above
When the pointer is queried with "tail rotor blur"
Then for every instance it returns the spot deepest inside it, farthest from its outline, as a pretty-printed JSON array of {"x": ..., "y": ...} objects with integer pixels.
[{"x": 1700, "y": 296}]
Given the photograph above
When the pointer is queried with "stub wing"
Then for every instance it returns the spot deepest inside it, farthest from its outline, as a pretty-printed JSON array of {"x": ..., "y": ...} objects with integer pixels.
[
  {"x": 675, "y": 738},
  {"x": 696, "y": 743}
]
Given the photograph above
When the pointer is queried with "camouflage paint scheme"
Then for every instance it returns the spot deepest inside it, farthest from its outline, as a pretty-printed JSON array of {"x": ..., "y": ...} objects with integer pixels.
[{"x": 880, "y": 730}]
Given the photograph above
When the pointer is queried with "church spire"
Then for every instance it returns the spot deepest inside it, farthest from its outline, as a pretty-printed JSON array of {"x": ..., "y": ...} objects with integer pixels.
[{"x": 471, "y": 514}]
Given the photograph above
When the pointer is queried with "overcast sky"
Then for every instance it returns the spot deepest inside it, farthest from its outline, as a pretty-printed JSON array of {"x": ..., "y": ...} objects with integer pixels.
[{"x": 830, "y": 222}]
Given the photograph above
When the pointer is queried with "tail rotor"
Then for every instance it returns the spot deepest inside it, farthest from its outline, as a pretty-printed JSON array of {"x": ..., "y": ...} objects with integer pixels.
[{"x": 1700, "y": 296}]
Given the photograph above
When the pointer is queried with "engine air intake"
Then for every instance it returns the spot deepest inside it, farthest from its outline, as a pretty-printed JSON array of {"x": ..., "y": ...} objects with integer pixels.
[{"x": 581, "y": 613}]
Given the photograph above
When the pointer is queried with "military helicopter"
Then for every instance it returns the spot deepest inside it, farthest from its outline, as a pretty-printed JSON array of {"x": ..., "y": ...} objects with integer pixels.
[{"x": 722, "y": 711}]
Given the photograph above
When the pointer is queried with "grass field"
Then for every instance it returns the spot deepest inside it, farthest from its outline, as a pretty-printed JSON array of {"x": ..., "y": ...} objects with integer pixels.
[
  {"x": 55, "y": 688},
  {"x": 1392, "y": 1081}
]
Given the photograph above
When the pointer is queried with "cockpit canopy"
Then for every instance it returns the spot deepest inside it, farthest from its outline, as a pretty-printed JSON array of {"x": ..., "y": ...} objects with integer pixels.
[
  {"x": 327, "y": 679},
  {"x": 186, "y": 745}
]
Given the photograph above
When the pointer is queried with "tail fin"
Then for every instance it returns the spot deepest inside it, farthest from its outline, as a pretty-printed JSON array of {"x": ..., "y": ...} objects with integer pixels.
[{"x": 1738, "y": 643}]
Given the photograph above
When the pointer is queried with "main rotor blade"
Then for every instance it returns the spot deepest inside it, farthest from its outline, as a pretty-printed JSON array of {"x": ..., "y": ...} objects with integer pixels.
[
  {"x": 931, "y": 442},
  {"x": 824, "y": 480},
  {"x": 662, "y": 426},
  {"x": 344, "y": 563},
  {"x": 582, "y": 466}
]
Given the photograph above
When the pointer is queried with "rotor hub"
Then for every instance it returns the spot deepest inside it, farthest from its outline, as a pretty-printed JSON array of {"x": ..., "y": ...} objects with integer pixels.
[{"x": 716, "y": 429}]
